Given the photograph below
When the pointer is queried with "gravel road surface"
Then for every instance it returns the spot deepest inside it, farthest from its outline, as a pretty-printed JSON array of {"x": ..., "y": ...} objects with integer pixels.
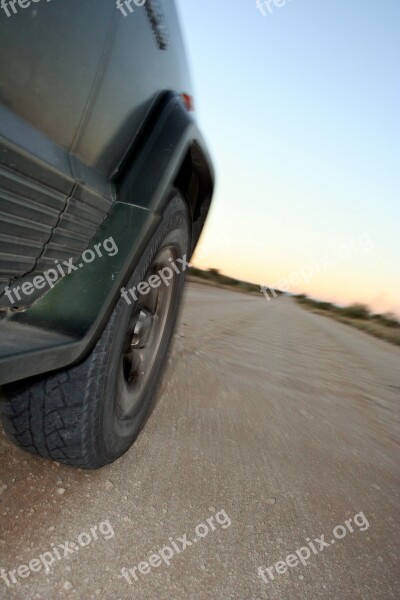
[{"x": 274, "y": 425}]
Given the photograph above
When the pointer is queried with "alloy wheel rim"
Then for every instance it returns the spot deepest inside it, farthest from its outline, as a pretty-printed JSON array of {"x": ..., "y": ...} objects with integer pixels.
[{"x": 143, "y": 339}]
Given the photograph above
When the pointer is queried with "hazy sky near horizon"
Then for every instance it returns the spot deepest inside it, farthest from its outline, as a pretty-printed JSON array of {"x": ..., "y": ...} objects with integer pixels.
[{"x": 301, "y": 113}]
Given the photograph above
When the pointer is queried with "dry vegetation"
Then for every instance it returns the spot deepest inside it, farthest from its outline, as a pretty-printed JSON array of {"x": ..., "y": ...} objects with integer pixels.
[{"x": 386, "y": 327}]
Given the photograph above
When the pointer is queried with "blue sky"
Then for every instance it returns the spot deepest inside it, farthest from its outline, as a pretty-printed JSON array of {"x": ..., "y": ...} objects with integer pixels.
[{"x": 301, "y": 112}]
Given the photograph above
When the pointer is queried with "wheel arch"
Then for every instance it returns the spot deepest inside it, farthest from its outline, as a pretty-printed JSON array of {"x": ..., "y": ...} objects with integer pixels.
[
  {"x": 61, "y": 327},
  {"x": 169, "y": 143}
]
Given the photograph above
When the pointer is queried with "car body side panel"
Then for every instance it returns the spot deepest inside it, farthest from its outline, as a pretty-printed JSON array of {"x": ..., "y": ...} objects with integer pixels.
[
  {"x": 44, "y": 213},
  {"x": 74, "y": 92},
  {"x": 49, "y": 57},
  {"x": 136, "y": 74},
  {"x": 93, "y": 136}
]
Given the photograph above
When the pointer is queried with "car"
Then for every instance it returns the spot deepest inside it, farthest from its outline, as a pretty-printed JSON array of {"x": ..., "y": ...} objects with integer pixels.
[{"x": 105, "y": 185}]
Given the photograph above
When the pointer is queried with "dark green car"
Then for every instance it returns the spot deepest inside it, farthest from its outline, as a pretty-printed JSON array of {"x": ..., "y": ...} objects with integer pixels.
[{"x": 105, "y": 185}]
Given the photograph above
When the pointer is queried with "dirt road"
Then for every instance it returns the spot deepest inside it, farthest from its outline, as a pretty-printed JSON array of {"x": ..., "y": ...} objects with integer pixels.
[{"x": 274, "y": 425}]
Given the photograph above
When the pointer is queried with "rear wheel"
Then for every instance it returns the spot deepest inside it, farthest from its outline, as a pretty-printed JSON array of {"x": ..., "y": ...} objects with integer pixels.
[{"x": 90, "y": 414}]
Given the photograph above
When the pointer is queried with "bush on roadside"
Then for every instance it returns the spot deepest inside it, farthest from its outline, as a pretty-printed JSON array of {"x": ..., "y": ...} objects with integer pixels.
[
  {"x": 356, "y": 311},
  {"x": 326, "y": 306},
  {"x": 388, "y": 319}
]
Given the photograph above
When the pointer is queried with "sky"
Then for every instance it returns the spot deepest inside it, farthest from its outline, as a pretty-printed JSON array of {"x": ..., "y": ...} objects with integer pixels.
[{"x": 300, "y": 110}]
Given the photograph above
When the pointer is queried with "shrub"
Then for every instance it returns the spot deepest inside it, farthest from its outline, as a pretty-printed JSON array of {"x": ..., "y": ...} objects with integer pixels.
[
  {"x": 301, "y": 297},
  {"x": 356, "y": 311},
  {"x": 388, "y": 319},
  {"x": 214, "y": 273},
  {"x": 325, "y": 306}
]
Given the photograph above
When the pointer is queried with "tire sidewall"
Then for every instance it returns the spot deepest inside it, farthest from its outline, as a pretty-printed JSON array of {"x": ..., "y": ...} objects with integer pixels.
[{"x": 114, "y": 434}]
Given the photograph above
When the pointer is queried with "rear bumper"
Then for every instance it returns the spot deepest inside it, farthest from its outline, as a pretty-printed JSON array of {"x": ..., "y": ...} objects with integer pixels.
[{"x": 62, "y": 326}]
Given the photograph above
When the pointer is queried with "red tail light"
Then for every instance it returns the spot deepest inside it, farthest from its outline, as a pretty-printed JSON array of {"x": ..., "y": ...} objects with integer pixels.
[{"x": 188, "y": 102}]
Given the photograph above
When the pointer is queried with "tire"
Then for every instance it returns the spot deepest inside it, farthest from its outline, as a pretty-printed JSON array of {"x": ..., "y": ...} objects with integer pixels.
[{"x": 90, "y": 414}]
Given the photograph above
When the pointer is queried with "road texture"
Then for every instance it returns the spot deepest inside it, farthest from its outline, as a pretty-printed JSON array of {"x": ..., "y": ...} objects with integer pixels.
[{"x": 285, "y": 421}]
